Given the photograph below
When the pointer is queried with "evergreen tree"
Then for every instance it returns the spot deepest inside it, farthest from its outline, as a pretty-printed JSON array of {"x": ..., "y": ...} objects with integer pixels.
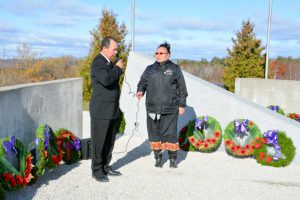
[
  {"x": 245, "y": 60},
  {"x": 108, "y": 26}
]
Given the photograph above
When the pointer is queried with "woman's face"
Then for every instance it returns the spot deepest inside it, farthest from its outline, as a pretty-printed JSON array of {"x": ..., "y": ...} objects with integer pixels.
[{"x": 162, "y": 55}]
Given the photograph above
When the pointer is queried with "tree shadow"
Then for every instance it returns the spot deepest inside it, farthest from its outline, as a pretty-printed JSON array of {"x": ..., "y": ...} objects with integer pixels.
[{"x": 136, "y": 153}]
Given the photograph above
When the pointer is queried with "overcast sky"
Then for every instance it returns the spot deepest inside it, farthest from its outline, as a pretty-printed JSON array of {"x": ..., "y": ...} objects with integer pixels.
[{"x": 195, "y": 28}]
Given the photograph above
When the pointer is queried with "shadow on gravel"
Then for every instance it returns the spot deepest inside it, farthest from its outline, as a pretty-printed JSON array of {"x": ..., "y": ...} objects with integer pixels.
[
  {"x": 28, "y": 192},
  {"x": 136, "y": 153}
]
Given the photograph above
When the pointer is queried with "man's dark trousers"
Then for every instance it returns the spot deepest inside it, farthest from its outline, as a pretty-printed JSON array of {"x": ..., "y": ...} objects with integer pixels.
[{"x": 103, "y": 134}]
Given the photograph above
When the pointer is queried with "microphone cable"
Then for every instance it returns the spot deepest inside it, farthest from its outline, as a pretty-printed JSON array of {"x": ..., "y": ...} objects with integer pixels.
[{"x": 136, "y": 123}]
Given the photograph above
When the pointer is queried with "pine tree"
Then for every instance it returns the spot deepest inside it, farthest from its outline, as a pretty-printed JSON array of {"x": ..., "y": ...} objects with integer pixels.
[
  {"x": 245, "y": 60},
  {"x": 108, "y": 26}
]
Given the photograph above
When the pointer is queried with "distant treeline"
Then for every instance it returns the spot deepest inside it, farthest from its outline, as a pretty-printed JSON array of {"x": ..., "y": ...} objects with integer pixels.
[
  {"x": 20, "y": 71},
  {"x": 27, "y": 68},
  {"x": 211, "y": 71},
  {"x": 285, "y": 68}
]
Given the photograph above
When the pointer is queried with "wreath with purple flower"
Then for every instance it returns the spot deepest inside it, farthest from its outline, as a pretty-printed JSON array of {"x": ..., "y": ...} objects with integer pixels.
[
  {"x": 238, "y": 137},
  {"x": 49, "y": 154},
  {"x": 203, "y": 134},
  {"x": 276, "y": 108},
  {"x": 274, "y": 149},
  {"x": 69, "y": 144},
  {"x": 11, "y": 177}
]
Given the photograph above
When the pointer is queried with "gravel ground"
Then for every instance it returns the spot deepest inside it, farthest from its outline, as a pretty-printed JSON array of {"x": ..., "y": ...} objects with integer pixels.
[{"x": 198, "y": 176}]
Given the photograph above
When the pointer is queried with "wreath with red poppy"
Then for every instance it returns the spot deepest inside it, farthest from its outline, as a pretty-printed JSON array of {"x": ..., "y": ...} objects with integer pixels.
[
  {"x": 10, "y": 177},
  {"x": 69, "y": 144},
  {"x": 203, "y": 134},
  {"x": 238, "y": 137},
  {"x": 49, "y": 154},
  {"x": 265, "y": 149},
  {"x": 294, "y": 116}
]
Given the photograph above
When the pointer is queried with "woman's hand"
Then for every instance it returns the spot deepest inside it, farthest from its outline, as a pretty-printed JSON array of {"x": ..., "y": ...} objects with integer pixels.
[
  {"x": 181, "y": 110},
  {"x": 139, "y": 95}
]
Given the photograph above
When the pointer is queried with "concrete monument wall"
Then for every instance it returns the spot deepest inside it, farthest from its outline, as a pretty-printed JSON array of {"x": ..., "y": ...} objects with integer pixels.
[
  {"x": 265, "y": 92},
  {"x": 56, "y": 103}
]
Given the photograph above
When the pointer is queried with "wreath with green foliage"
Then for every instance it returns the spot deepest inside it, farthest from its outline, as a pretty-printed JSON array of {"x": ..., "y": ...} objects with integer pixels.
[
  {"x": 10, "y": 177},
  {"x": 49, "y": 154},
  {"x": 183, "y": 139},
  {"x": 238, "y": 137},
  {"x": 294, "y": 116},
  {"x": 69, "y": 144},
  {"x": 203, "y": 134},
  {"x": 276, "y": 108},
  {"x": 274, "y": 149},
  {"x": 121, "y": 122}
]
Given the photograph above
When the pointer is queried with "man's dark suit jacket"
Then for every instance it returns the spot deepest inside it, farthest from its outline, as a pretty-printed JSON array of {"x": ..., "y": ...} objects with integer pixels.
[{"x": 105, "y": 77}]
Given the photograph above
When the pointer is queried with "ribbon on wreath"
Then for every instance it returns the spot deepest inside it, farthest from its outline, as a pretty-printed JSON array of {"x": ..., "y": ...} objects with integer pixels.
[
  {"x": 241, "y": 128},
  {"x": 272, "y": 137},
  {"x": 10, "y": 146},
  {"x": 47, "y": 138},
  {"x": 76, "y": 145},
  {"x": 275, "y": 108},
  {"x": 201, "y": 124}
]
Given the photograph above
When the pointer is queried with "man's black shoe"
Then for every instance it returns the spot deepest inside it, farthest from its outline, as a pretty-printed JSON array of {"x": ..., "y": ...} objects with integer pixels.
[
  {"x": 100, "y": 177},
  {"x": 109, "y": 171}
]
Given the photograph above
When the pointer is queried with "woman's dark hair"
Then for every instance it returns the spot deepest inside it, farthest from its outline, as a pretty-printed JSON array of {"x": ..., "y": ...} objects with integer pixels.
[{"x": 166, "y": 45}]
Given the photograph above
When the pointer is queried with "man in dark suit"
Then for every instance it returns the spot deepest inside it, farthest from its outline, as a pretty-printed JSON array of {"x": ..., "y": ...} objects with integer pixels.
[{"x": 104, "y": 108}]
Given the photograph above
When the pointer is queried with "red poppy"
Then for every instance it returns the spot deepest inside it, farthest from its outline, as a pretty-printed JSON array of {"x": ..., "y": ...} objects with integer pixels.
[
  {"x": 28, "y": 159},
  {"x": 185, "y": 146},
  {"x": 27, "y": 172},
  {"x": 7, "y": 176},
  {"x": 238, "y": 147},
  {"x": 243, "y": 152},
  {"x": 248, "y": 146},
  {"x": 261, "y": 155},
  {"x": 13, "y": 182},
  {"x": 183, "y": 130},
  {"x": 192, "y": 140},
  {"x": 257, "y": 146},
  {"x": 19, "y": 179},
  {"x": 264, "y": 140},
  {"x": 206, "y": 145},
  {"x": 45, "y": 153},
  {"x": 268, "y": 159},
  {"x": 217, "y": 133},
  {"x": 25, "y": 181},
  {"x": 228, "y": 142},
  {"x": 72, "y": 137},
  {"x": 233, "y": 148},
  {"x": 198, "y": 144},
  {"x": 292, "y": 116},
  {"x": 180, "y": 139},
  {"x": 213, "y": 140}
]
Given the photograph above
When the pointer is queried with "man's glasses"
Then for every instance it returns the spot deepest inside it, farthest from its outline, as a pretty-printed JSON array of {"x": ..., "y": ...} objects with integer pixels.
[{"x": 160, "y": 53}]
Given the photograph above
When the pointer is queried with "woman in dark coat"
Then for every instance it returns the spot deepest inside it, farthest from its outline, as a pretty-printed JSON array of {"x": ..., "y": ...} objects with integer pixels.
[{"x": 166, "y": 93}]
